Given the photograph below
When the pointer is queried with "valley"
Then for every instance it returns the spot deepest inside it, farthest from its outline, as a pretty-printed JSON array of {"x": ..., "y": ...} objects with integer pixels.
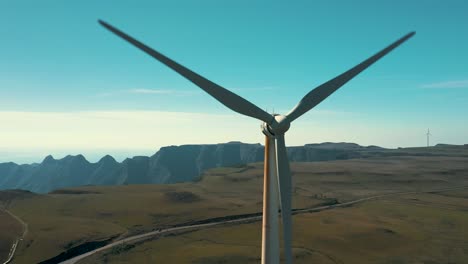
[{"x": 66, "y": 218}]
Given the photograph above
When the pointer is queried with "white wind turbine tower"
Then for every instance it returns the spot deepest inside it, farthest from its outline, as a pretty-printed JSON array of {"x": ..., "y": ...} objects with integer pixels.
[
  {"x": 428, "y": 134},
  {"x": 277, "y": 176}
]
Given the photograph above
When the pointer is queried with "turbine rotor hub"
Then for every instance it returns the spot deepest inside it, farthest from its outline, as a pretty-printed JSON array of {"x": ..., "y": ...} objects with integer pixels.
[{"x": 279, "y": 127}]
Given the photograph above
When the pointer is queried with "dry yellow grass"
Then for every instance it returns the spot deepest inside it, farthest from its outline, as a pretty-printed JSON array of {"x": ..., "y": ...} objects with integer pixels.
[
  {"x": 417, "y": 228},
  {"x": 10, "y": 231},
  {"x": 60, "y": 221}
]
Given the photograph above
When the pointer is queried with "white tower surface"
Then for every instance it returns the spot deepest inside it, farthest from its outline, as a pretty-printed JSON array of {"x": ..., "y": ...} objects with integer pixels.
[{"x": 428, "y": 134}]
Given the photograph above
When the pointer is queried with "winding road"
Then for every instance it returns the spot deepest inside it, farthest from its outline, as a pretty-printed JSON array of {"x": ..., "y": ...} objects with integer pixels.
[
  {"x": 15, "y": 245},
  {"x": 149, "y": 235}
]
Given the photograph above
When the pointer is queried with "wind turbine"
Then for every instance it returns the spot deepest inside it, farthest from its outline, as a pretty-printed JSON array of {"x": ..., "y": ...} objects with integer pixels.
[
  {"x": 428, "y": 134},
  {"x": 277, "y": 174}
]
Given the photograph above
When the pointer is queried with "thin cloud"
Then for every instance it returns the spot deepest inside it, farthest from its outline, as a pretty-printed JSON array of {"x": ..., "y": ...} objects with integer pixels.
[
  {"x": 447, "y": 84},
  {"x": 105, "y": 94},
  {"x": 145, "y": 91},
  {"x": 161, "y": 91},
  {"x": 266, "y": 88},
  {"x": 119, "y": 129},
  {"x": 150, "y": 91}
]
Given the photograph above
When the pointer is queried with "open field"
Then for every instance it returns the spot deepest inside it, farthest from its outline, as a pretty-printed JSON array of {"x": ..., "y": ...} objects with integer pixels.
[
  {"x": 10, "y": 231},
  {"x": 67, "y": 218},
  {"x": 417, "y": 228}
]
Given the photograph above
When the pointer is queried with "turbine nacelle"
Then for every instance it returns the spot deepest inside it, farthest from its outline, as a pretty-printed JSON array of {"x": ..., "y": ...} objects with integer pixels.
[{"x": 279, "y": 126}]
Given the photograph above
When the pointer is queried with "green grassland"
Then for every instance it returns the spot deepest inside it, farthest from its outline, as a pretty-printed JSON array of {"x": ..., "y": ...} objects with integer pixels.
[{"x": 66, "y": 218}]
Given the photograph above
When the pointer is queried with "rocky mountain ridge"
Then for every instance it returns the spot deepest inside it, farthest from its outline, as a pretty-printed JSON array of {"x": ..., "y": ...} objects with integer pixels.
[{"x": 177, "y": 164}]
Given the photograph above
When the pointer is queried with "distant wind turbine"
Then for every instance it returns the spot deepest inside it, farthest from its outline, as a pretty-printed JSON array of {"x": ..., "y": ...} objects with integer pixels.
[
  {"x": 428, "y": 134},
  {"x": 277, "y": 174}
]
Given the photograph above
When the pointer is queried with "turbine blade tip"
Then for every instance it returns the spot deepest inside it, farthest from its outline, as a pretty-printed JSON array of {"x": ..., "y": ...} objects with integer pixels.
[
  {"x": 409, "y": 35},
  {"x": 104, "y": 23}
]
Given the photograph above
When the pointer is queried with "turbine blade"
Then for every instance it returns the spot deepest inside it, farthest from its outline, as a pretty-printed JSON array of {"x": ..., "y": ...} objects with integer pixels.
[
  {"x": 224, "y": 96},
  {"x": 285, "y": 190},
  {"x": 319, "y": 94}
]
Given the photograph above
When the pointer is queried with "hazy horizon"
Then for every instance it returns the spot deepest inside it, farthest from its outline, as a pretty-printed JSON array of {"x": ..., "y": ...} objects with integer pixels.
[{"x": 94, "y": 155}]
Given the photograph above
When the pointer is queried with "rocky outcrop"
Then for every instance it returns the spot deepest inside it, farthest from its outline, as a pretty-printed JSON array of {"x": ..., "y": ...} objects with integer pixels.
[
  {"x": 177, "y": 164},
  {"x": 169, "y": 165}
]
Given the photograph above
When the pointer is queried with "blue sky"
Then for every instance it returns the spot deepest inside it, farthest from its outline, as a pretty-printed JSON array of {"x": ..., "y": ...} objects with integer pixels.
[{"x": 69, "y": 86}]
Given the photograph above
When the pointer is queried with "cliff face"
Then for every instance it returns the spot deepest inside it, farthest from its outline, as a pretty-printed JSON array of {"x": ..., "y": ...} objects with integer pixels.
[
  {"x": 186, "y": 163},
  {"x": 169, "y": 165},
  {"x": 176, "y": 164}
]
